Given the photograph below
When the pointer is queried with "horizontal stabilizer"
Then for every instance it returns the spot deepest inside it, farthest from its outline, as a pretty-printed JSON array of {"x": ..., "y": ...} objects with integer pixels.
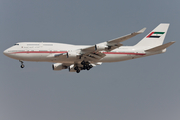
[{"x": 161, "y": 47}]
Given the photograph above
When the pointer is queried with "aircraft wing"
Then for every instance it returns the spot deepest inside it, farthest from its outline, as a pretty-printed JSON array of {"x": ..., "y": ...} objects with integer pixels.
[
  {"x": 123, "y": 38},
  {"x": 93, "y": 56},
  {"x": 96, "y": 52},
  {"x": 111, "y": 44}
]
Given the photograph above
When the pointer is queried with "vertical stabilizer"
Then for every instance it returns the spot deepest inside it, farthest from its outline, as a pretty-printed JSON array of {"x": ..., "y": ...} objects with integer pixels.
[{"x": 155, "y": 37}]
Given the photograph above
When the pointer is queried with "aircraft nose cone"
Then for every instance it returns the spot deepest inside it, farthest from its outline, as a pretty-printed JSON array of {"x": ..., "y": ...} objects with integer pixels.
[{"x": 5, "y": 52}]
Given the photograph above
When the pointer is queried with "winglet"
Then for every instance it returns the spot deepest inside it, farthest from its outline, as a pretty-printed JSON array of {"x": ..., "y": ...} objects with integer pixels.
[{"x": 141, "y": 31}]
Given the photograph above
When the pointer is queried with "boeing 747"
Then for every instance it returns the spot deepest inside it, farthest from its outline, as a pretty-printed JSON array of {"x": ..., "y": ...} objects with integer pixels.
[{"x": 83, "y": 57}]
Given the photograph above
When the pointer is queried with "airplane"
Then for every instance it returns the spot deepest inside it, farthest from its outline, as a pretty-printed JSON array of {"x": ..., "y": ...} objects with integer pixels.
[{"x": 83, "y": 57}]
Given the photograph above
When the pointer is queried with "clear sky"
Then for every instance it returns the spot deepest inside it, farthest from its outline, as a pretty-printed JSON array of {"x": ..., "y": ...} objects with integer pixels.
[{"x": 141, "y": 89}]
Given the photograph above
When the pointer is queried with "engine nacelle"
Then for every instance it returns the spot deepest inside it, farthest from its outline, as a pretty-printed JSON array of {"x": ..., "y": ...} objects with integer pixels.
[
  {"x": 58, "y": 66},
  {"x": 72, "y": 55},
  {"x": 101, "y": 47},
  {"x": 71, "y": 68}
]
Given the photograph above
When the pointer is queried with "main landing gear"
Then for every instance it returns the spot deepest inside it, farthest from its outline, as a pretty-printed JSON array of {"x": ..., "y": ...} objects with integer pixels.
[
  {"x": 77, "y": 69},
  {"x": 22, "y": 65},
  {"x": 86, "y": 65}
]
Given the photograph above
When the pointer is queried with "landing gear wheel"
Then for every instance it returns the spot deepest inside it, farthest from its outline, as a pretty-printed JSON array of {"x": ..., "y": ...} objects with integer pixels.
[
  {"x": 77, "y": 71},
  {"x": 75, "y": 68},
  {"x": 83, "y": 62},
  {"x": 22, "y": 66},
  {"x": 88, "y": 68}
]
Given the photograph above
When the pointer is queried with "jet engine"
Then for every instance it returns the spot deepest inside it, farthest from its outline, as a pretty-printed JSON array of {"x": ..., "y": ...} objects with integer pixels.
[
  {"x": 58, "y": 66},
  {"x": 71, "y": 68},
  {"x": 101, "y": 47},
  {"x": 72, "y": 55}
]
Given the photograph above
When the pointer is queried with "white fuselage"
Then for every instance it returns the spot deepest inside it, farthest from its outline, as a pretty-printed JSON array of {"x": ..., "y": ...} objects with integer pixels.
[
  {"x": 84, "y": 57},
  {"x": 43, "y": 52}
]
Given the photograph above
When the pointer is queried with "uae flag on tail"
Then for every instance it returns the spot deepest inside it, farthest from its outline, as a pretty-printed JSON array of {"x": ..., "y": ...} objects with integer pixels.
[{"x": 155, "y": 35}]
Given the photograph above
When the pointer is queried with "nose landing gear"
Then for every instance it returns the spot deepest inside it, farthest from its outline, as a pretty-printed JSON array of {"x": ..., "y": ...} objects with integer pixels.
[{"x": 22, "y": 65}]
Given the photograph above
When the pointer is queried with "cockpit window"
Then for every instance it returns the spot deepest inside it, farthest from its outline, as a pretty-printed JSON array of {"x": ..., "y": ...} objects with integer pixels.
[{"x": 16, "y": 44}]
